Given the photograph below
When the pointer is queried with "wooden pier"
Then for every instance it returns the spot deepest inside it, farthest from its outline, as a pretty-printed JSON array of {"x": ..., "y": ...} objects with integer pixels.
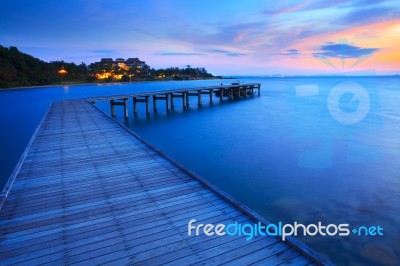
[
  {"x": 236, "y": 91},
  {"x": 88, "y": 191}
]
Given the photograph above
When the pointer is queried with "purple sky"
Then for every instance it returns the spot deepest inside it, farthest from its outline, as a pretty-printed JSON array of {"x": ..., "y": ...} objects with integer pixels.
[{"x": 225, "y": 37}]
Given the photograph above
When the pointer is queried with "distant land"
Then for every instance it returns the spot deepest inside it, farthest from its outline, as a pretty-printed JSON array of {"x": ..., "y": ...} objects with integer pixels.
[
  {"x": 18, "y": 69},
  {"x": 309, "y": 76}
]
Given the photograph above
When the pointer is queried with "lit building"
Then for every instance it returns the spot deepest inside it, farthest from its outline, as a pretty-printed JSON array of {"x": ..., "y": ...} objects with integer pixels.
[
  {"x": 120, "y": 67},
  {"x": 103, "y": 75},
  {"x": 120, "y": 62},
  {"x": 107, "y": 61},
  {"x": 62, "y": 72},
  {"x": 134, "y": 63}
]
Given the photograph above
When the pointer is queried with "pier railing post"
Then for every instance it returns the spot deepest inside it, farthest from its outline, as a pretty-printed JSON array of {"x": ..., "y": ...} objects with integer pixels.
[{"x": 166, "y": 101}]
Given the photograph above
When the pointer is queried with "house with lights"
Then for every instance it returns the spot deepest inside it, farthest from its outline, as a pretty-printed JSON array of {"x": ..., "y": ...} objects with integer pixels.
[{"x": 116, "y": 69}]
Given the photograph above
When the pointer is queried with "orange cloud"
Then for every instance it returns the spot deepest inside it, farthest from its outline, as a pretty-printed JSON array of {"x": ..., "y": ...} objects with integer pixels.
[{"x": 383, "y": 35}]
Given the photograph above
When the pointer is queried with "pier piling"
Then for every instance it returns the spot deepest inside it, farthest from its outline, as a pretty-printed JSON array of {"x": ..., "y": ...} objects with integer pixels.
[{"x": 229, "y": 91}]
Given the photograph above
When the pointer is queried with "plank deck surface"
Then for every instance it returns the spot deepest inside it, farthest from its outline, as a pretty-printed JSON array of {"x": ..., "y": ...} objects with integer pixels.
[{"x": 89, "y": 192}]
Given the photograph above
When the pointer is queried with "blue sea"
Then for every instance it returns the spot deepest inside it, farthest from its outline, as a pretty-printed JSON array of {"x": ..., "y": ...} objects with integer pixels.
[{"x": 308, "y": 150}]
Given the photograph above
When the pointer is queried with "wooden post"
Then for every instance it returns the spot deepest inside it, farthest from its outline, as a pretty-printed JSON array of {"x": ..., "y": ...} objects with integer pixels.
[
  {"x": 183, "y": 100},
  {"x": 134, "y": 105},
  {"x": 187, "y": 98},
  {"x": 147, "y": 104},
  {"x": 155, "y": 102},
  {"x": 166, "y": 101},
  {"x": 221, "y": 94},
  {"x": 125, "y": 109},
  {"x": 210, "y": 90},
  {"x": 172, "y": 100},
  {"x": 199, "y": 97},
  {"x": 112, "y": 108}
]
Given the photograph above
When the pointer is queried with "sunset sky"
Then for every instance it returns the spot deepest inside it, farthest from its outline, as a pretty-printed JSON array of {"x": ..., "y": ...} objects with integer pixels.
[{"x": 225, "y": 37}]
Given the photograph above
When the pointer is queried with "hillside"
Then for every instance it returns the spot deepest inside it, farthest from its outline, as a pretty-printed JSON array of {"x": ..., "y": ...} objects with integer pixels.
[{"x": 19, "y": 69}]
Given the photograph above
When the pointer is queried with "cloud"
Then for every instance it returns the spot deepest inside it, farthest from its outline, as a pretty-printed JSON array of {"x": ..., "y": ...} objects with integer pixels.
[
  {"x": 81, "y": 57},
  {"x": 224, "y": 52},
  {"x": 103, "y": 51},
  {"x": 369, "y": 15},
  {"x": 291, "y": 52},
  {"x": 203, "y": 52},
  {"x": 217, "y": 34},
  {"x": 177, "y": 53},
  {"x": 342, "y": 50}
]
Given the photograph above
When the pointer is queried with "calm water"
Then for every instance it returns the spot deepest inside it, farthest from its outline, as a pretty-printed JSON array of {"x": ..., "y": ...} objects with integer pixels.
[{"x": 290, "y": 158}]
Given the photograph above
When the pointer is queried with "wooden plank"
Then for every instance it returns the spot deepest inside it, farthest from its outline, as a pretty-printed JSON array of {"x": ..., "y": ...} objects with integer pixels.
[
  {"x": 31, "y": 235},
  {"x": 256, "y": 255},
  {"x": 281, "y": 257},
  {"x": 101, "y": 226}
]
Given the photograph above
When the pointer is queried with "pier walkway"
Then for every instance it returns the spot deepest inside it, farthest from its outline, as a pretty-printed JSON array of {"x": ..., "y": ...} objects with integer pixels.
[
  {"x": 236, "y": 91},
  {"x": 87, "y": 191}
]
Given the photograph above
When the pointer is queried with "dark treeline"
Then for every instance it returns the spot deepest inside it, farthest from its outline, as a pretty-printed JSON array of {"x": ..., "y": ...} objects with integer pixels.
[{"x": 20, "y": 69}]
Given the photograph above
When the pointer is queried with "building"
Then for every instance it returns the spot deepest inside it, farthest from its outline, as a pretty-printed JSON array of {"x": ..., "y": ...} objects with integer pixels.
[
  {"x": 135, "y": 63},
  {"x": 119, "y": 68},
  {"x": 62, "y": 72},
  {"x": 107, "y": 61}
]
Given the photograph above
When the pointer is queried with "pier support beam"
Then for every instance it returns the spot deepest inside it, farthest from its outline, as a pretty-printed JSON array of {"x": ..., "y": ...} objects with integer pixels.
[
  {"x": 230, "y": 93},
  {"x": 179, "y": 94},
  {"x": 199, "y": 97},
  {"x": 117, "y": 102},
  {"x": 208, "y": 91},
  {"x": 141, "y": 99},
  {"x": 224, "y": 91},
  {"x": 162, "y": 97}
]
